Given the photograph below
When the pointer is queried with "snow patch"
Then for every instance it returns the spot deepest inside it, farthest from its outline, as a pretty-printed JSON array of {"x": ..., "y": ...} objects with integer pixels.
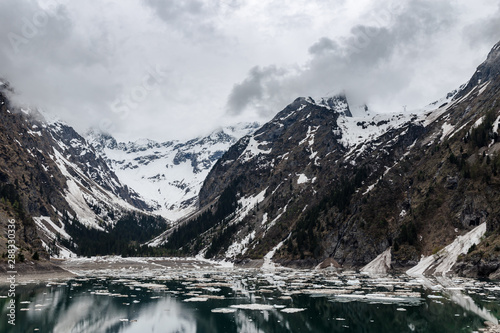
[
  {"x": 253, "y": 150},
  {"x": 496, "y": 124},
  {"x": 371, "y": 187},
  {"x": 357, "y": 130},
  {"x": 33, "y": 133},
  {"x": 483, "y": 87},
  {"x": 273, "y": 222},
  {"x": 446, "y": 130},
  {"x": 442, "y": 262},
  {"x": 240, "y": 247},
  {"x": 59, "y": 252},
  {"x": 49, "y": 228},
  {"x": 264, "y": 218},
  {"x": 268, "y": 264},
  {"x": 311, "y": 131},
  {"x": 302, "y": 179},
  {"x": 247, "y": 204},
  {"x": 379, "y": 265},
  {"x": 478, "y": 122}
]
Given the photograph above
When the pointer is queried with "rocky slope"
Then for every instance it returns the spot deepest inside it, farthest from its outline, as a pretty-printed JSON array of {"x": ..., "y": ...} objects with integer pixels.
[
  {"x": 320, "y": 181},
  {"x": 50, "y": 175}
]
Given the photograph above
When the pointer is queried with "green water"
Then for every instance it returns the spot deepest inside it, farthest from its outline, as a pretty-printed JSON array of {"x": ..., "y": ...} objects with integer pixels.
[{"x": 114, "y": 305}]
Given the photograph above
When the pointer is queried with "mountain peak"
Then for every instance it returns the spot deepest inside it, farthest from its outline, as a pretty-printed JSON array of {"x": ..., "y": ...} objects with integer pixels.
[
  {"x": 337, "y": 103},
  {"x": 489, "y": 70},
  {"x": 168, "y": 175},
  {"x": 491, "y": 67}
]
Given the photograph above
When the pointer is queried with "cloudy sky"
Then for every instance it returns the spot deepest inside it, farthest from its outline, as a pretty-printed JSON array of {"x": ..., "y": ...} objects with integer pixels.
[{"x": 168, "y": 69}]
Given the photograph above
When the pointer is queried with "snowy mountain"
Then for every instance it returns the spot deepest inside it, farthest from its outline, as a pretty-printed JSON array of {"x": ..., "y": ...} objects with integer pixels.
[
  {"x": 167, "y": 175},
  {"x": 51, "y": 174},
  {"x": 325, "y": 181}
]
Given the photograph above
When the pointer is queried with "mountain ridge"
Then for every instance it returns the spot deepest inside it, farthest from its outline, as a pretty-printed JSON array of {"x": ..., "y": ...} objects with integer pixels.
[
  {"x": 382, "y": 179},
  {"x": 167, "y": 175},
  {"x": 317, "y": 184}
]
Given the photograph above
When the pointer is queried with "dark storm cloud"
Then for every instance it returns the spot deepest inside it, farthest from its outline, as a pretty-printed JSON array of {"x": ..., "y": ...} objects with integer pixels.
[{"x": 376, "y": 59}]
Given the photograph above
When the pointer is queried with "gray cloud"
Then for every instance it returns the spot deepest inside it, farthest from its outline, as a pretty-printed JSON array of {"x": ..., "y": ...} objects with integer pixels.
[
  {"x": 486, "y": 31},
  {"x": 41, "y": 45},
  {"x": 58, "y": 64},
  {"x": 324, "y": 45},
  {"x": 257, "y": 87},
  {"x": 195, "y": 19},
  {"x": 92, "y": 65},
  {"x": 375, "y": 62}
]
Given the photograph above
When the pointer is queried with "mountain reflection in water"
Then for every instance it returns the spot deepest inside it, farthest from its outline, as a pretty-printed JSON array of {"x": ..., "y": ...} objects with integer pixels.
[{"x": 254, "y": 301}]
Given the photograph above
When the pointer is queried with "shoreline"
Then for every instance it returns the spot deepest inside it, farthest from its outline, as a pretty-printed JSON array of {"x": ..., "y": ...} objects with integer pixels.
[
  {"x": 30, "y": 271},
  {"x": 60, "y": 269},
  {"x": 63, "y": 270}
]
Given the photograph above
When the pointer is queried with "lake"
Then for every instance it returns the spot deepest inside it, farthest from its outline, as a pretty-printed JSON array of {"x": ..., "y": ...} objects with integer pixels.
[{"x": 220, "y": 299}]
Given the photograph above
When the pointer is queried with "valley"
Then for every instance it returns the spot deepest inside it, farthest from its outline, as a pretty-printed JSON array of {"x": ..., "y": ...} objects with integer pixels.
[{"x": 329, "y": 216}]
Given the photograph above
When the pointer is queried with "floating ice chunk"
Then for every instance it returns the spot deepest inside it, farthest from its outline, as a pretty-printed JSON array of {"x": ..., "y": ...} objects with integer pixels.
[
  {"x": 293, "y": 310},
  {"x": 196, "y": 299},
  {"x": 253, "y": 307},
  {"x": 223, "y": 310},
  {"x": 285, "y": 297}
]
